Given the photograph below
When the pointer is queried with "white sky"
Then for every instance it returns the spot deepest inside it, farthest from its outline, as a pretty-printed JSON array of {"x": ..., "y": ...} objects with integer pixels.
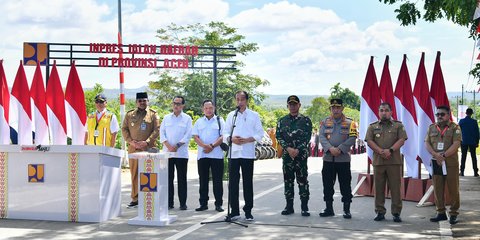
[{"x": 305, "y": 46}]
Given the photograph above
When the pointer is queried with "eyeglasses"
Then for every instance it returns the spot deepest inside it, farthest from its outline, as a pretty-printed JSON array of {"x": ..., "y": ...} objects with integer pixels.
[
  {"x": 442, "y": 114},
  {"x": 99, "y": 102},
  {"x": 177, "y": 103}
]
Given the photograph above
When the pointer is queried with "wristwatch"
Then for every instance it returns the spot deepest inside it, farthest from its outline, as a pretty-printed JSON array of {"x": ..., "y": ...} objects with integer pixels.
[{"x": 391, "y": 150}]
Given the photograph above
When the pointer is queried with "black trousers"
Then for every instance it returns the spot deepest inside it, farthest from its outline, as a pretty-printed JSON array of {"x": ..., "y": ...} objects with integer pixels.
[
  {"x": 247, "y": 177},
  {"x": 204, "y": 166},
  {"x": 181, "y": 165},
  {"x": 473, "y": 154},
  {"x": 330, "y": 171}
]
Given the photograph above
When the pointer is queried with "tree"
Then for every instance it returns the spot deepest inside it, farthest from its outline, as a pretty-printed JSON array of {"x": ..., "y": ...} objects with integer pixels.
[
  {"x": 349, "y": 98},
  {"x": 196, "y": 85},
  {"x": 318, "y": 111},
  {"x": 458, "y": 12}
]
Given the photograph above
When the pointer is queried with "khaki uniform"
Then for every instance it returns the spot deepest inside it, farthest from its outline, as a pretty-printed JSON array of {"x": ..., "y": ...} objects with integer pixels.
[
  {"x": 140, "y": 125},
  {"x": 434, "y": 137},
  {"x": 385, "y": 134}
]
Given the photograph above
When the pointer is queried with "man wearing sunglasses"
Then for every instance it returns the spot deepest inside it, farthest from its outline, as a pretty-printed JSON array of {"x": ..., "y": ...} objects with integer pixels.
[
  {"x": 140, "y": 130},
  {"x": 442, "y": 142},
  {"x": 385, "y": 137},
  {"x": 175, "y": 134},
  {"x": 102, "y": 125}
]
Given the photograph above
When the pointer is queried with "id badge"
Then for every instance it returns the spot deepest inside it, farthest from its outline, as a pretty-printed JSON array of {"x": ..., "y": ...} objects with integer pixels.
[
  {"x": 143, "y": 126},
  {"x": 440, "y": 146},
  {"x": 96, "y": 133}
]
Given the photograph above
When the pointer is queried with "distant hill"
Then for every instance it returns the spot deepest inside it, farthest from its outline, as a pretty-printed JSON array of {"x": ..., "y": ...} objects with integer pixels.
[{"x": 275, "y": 101}]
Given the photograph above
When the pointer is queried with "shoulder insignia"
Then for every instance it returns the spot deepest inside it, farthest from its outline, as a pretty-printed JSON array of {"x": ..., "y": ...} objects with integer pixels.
[
  {"x": 152, "y": 110},
  {"x": 373, "y": 123}
]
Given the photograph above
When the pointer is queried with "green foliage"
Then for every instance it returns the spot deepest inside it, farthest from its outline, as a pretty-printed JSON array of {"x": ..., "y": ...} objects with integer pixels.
[
  {"x": 318, "y": 110},
  {"x": 352, "y": 113},
  {"x": 349, "y": 98},
  {"x": 90, "y": 97},
  {"x": 458, "y": 12},
  {"x": 196, "y": 85}
]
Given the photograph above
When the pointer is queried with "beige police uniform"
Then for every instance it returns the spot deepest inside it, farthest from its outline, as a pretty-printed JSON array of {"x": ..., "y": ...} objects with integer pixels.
[
  {"x": 434, "y": 137},
  {"x": 385, "y": 134},
  {"x": 140, "y": 125}
]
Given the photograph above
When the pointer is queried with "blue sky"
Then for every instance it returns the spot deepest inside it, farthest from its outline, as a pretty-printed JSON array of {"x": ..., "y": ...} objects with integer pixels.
[{"x": 305, "y": 46}]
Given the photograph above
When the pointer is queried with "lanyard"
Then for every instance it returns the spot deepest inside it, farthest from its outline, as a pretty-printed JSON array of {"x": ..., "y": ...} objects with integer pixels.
[
  {"x": 98, "y": 119},
  {"x": 442, "y": 132}
]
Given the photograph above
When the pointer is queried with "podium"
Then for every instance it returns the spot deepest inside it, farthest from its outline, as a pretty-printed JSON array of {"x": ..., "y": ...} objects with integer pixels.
[
  {"x": 152, "y": 190},
  {"x": 60, "y": 182}
]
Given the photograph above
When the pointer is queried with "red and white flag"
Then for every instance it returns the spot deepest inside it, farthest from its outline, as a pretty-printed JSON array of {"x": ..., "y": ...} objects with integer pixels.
[
  {"x": 438, "y": 92},
  {"x": 423, "y": 107},
  {"x": 4, "y": 107},
  {"x": 20, "y": 108},
  {"x": 407, "y": 115},
  {"x": 75, "y": 105},
  {"x": 56, "y": 109},
  {"x": 369, "y": 104},
  {"x": 39, "y": 108},
  {"x": 386, "y": 88}
]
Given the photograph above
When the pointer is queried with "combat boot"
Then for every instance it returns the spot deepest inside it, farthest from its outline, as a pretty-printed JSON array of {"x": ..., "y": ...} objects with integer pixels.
[
  {"x": 289, "y": 208},
  {"x": 346, "y": 210},
  {"x": 328, "y": 211},
  {"x": 305, "y": 212}
]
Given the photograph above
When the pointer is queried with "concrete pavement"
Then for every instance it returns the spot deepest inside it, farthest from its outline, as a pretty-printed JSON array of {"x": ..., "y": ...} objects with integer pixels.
[{"x": 269, "y": 224}]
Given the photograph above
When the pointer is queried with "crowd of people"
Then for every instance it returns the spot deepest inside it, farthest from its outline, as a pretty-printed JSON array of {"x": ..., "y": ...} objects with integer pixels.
[{"x": 336, "y": 139}]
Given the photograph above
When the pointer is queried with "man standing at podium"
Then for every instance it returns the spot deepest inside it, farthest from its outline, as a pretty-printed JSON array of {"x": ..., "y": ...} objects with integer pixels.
[
  {"x": 140, "y": 130},
  {"x": 175, "y": 134},
  {"x": 102, "y": 125}
]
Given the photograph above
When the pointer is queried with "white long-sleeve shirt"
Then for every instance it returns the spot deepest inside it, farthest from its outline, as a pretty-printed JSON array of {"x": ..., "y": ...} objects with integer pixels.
[
  {"x": 247, "y": 125},
  {"x": 175, "y": 129},
  {"x": 208, "y": 131}
]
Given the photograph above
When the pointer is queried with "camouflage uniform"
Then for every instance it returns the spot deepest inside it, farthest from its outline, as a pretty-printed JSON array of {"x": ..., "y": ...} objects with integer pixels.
[{"x": 295, "y": 132}]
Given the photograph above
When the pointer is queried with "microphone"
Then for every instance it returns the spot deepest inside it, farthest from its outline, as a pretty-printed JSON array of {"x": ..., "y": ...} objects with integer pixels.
[{"x": 236, "y": 111}]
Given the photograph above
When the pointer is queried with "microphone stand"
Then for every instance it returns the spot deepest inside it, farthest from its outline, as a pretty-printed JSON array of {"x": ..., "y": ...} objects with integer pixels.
[{"x": 228, "y": 219}]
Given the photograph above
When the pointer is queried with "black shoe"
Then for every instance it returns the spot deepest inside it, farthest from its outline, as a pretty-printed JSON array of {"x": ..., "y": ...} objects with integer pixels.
[
  {"x": 327, "y": 212},
  {"x": 249, "y": 217},
  {"x": 347, "y": 215},
  {"x": 219, "y": 209},
  {"x": 132, "y": 204},
  {"x": 184, "y": 207},
  {"x": 397, "y": 218},
  {"x": 379, "y": 217},
  {"x": 305, "y": 213},
  {"x": 453, "y": 219},
  {"x": 170, "y": 207},
  {"x": 288, "y": 211},
  {"x": 476, "y": 174},
  {"x": 461, "y": 174},
  {"x": 232, "y": 217},
  {"x": 201, "y": 208},
  {"x": 439, "y": 217}
]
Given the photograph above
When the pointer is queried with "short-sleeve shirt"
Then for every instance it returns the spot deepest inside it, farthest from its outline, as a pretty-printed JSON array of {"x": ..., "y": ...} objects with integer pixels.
[
  {"x": 452, "y": 134},
  {"x": 385, "y": 134}
]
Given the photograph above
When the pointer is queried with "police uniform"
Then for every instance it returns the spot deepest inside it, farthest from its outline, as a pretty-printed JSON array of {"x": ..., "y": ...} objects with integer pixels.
[
  {"x": 440, "y": 139},
  {"x": 295, "y": 132},
  {"x": 140, "y": 125},
  {"x": 385, "y": 134},
  {"x": 340, "y": 133}
]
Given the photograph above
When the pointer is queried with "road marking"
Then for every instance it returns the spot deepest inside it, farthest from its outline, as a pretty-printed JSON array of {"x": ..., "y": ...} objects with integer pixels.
[{"x": 218, "y": 215}]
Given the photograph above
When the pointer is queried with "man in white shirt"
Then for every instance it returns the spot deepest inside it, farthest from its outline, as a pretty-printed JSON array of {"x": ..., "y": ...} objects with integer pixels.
[
  {"x": 175, "y": 133},
  {"x": 247, "y": 128},
  {"x": 208, "y": 136}
]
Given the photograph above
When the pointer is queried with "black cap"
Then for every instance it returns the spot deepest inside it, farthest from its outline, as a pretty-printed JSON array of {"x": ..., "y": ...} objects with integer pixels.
[
  {"x": 100, "y": 97},
  {"x": 142, "y": 95},
  {"x": 336, "y": 102},
  {"x": 293, "y": 98}
]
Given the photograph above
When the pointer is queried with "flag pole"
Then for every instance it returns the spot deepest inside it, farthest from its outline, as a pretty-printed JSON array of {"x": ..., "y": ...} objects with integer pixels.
[{"x": 121, "y": 78}]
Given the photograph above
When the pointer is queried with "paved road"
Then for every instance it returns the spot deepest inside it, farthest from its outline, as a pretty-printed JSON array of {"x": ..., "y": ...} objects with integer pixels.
[{"x": 269, "y": 224}]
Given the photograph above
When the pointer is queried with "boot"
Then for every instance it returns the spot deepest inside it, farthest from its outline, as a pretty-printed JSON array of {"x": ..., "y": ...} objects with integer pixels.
[
  {"x": 305, "y": 212},
  {"x": 328, "y": 211},
  {"x": 346, "y": 210},
  {"x": 289, "y": 208}
]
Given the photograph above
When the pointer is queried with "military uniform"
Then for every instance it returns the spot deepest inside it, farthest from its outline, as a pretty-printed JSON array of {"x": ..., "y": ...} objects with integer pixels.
[
  {"x": 436, "y": 137},
  {"x": 140, "y": 125},
  {"x": 339, "y": 133},
  {"x": 295, "y": 132},
  {"x": 385, "y": 134}
]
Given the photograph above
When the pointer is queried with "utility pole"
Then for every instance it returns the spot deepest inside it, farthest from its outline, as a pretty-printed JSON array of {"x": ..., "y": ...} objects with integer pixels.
[{"x": 462, "y": 96}]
